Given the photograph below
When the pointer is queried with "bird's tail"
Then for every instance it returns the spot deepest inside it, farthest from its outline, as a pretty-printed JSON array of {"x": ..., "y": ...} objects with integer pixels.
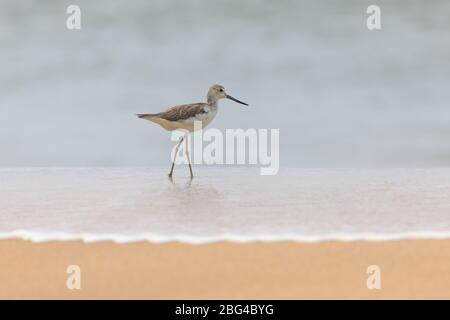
[{"x": 147, "y": 115}]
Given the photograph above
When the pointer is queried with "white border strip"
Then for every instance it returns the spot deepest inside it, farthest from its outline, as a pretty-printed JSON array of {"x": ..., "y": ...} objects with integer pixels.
[{"x": 189, "y": 239}]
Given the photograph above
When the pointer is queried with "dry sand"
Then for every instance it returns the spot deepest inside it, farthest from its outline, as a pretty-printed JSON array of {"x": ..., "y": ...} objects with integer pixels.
[{"x": 409, "y": 269}]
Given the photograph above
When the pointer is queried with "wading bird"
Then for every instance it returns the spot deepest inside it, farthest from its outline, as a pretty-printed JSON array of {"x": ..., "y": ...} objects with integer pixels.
[{"x": 183, "y": 117}]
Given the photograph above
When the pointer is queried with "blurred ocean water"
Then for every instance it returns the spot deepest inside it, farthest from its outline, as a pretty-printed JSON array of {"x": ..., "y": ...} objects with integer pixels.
[
  {"x": 341, "y": 95},
  {"x": 135, "y": 204}
]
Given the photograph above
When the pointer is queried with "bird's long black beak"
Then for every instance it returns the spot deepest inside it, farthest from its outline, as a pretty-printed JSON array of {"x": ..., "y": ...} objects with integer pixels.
[{"x": 236, "y": 100}]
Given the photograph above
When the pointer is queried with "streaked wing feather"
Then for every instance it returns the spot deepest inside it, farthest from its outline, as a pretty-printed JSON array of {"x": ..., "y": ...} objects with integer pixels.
[{"x": 183, "y": 112}]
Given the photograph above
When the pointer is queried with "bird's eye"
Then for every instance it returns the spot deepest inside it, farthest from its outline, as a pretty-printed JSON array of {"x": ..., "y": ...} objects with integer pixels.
[{"x": 221, "y": 90}]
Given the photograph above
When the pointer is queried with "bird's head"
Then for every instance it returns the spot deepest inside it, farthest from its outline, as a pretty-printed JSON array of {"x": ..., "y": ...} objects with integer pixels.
[{"x": 217, "y": 92}]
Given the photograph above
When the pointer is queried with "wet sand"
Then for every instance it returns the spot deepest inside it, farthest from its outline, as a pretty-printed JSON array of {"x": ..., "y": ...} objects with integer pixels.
[
  {"x": 409, "y": 269},
  {"x": 232, "y": 204}
]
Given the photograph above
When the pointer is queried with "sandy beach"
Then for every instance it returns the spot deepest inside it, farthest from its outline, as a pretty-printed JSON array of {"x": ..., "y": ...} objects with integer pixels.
[
  {"x": 409, "y": 269},
  {"x": 281, "y": 237}
]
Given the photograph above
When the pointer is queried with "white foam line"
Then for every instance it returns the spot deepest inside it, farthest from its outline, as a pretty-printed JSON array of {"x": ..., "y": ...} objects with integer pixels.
[{"x": 189, "y": 239}]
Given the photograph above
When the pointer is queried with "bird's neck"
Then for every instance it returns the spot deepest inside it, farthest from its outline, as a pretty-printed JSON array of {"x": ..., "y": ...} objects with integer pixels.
[{"x": 213, "y": 103}]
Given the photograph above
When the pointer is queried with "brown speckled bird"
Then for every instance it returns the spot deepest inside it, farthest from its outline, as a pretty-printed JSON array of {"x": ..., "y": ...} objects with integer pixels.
[{"x": 183, "y": 117}]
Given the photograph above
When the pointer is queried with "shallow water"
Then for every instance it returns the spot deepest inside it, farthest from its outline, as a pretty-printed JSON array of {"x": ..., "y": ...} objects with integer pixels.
[
  {"x": 342, "y": 96},
  {"x": 130, "y": 204}
]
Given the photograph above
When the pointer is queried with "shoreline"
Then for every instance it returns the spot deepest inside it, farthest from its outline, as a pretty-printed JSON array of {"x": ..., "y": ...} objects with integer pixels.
[
  {"x": 410, "y": 269},
  {"x": 335, "y": 203},
  {"x": 153, "y": 238}
]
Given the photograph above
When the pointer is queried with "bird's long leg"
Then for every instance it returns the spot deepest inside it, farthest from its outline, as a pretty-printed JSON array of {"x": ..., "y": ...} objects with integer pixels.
[
  {"x": 175, "y": 156},
  {"x": 187, "y": 155}
]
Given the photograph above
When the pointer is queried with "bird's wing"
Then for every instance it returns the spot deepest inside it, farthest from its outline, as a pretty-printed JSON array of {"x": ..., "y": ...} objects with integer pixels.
[{"x": 183, "y": 112}]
